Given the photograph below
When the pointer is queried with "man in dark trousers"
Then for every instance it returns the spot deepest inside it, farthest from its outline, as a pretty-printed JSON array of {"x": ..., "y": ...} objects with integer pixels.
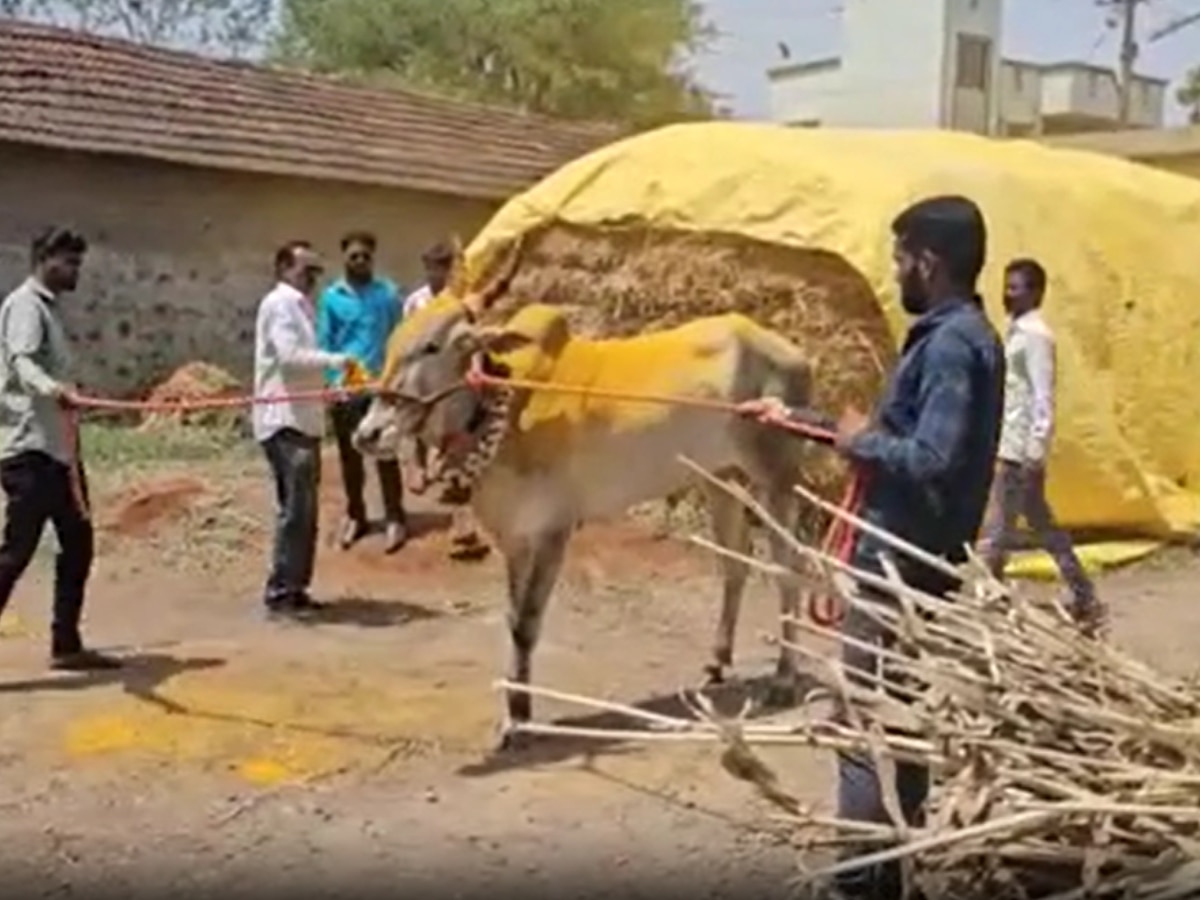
[
  {"x": 356, "y": 316},
  {"x": 928, "y": 456},
  {"x": 289, "y": 364},
  {"x": 40, "y": 450}
]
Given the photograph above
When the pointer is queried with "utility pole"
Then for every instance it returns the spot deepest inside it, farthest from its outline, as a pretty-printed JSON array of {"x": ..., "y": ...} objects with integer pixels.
[{"x": 1128, "y": 58}]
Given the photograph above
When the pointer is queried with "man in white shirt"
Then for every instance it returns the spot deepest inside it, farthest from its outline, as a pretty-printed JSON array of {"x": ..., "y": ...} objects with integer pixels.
[
  {"x": 287, "y": 361},
  {"x": 1019, "y": 489},
  {"x": 438, "y": 260}
]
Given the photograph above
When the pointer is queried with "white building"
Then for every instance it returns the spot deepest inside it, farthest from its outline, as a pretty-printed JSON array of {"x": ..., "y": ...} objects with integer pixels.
[{"x": 934, "y": 64}]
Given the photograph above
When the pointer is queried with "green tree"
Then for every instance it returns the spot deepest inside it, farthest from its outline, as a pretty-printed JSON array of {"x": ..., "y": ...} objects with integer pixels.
[
  {"x": 224, "y": 28},
  {"x": 616, "y": 60},
  {"x": 1188, "y": 95}
]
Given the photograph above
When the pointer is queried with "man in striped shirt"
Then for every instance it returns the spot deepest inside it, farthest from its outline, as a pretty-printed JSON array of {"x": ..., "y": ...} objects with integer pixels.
[{"x": 1019, "y": 488}]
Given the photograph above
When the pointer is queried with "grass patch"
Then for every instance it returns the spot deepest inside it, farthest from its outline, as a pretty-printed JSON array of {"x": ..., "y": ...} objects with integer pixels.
[{"x": 109, "y": 446}]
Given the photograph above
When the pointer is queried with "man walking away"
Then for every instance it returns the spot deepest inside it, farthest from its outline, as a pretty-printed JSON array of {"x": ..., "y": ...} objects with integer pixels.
[
  {"x": 287, "y": 361},
  {"x": 927, "y": 457},
  {"x": 1019, "y": 489},
  {"x": 355, "y": 317},
  {"x": 438, "y": 261},
  {"x": 39, "y": 451}
]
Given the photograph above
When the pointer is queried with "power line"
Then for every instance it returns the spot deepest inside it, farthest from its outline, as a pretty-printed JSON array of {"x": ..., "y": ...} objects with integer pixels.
[{"x": 1175, "y": 25}]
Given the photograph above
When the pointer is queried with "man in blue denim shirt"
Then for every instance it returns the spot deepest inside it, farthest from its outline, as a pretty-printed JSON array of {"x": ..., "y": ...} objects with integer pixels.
[
  {"x": 355, "y": 317},
  {"x": 928, "y": 456}
]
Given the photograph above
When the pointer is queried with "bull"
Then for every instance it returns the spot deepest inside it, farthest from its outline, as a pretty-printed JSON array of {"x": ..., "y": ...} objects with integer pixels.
[{"x": 538, "y": 464}]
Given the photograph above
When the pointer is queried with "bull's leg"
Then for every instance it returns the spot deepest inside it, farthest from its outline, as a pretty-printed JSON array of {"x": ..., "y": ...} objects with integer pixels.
[
  {"x": 532, "y": 572},
  {"x": 784, "y": 508},
  {"x": 731, "y": 530}
]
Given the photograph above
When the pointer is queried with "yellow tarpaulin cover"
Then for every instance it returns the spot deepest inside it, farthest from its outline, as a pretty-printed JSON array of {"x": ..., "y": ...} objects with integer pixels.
[{"x": 1120, "y": 241}]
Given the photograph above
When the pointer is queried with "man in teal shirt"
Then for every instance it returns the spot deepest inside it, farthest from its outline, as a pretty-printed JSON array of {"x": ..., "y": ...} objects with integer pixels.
[{"x": 355, "y": 316}]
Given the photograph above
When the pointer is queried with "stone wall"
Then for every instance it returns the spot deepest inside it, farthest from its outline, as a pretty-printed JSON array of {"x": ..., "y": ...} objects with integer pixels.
[{"x": 181, "y": 256}]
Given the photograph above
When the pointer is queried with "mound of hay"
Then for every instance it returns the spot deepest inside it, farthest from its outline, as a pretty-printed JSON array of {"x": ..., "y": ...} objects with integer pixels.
[
  {"x": 196, "y": 382},
  {"x": 1063, "y": 767},
  {"x": 618, "y": 282}
]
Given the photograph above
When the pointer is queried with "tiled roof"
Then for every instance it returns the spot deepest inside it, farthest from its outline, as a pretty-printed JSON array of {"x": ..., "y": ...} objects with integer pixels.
[{"x": 74, "y": 91}]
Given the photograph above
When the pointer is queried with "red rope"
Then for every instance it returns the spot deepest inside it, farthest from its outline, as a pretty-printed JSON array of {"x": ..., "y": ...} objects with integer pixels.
[
  {"x": 824, "y": 609},
  {"x": 80, "y": 402}
]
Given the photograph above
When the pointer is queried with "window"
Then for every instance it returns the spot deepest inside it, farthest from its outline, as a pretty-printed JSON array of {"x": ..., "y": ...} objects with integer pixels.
[
  {"x": 1093, "y": 84},
  {"x": 1019, "y": 79},
  {"x": 974, "y": 62}
]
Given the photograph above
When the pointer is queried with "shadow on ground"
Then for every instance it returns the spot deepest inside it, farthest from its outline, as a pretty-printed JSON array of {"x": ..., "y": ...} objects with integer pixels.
[
  {"x": 369, "y": 612},
  {"x": 750, "y": 696},
  {"x": 141, "y": 675}
]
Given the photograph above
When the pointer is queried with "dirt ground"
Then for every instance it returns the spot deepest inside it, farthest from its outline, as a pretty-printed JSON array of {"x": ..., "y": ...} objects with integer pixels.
[{"x": 235, "y": 754}]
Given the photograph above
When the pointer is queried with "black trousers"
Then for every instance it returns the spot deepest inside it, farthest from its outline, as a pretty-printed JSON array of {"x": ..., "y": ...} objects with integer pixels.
[
  {"x": 345, "y": 418},
  {"x": 38, "y": 488},
  {"x": 295, "y": 461}
]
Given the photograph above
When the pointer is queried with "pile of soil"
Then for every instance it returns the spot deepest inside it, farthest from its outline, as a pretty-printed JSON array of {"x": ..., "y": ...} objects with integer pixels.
[
  {"x": 626, "y": 281},
  {"x": 141, "y": 510},
  {"x": 197, "y": 382}
]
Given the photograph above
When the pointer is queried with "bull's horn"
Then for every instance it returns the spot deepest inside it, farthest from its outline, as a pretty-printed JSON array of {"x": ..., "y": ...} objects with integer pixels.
[{"x": 480, "y": 300}]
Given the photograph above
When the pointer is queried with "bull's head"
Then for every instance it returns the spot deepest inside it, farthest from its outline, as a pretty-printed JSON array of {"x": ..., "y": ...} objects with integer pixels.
[{"x": 423, "y": 393}]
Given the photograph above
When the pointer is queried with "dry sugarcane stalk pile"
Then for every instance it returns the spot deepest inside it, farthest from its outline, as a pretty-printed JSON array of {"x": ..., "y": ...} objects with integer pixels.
[{"x": 1063, "y": 767}]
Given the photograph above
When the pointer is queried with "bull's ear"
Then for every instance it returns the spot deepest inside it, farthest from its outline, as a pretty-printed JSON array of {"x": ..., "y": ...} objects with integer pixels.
[{"x": 501, "y": 340}]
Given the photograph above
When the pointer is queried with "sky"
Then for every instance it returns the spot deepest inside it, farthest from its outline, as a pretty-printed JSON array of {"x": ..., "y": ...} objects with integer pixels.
[{"x": 1034, "y": 30}]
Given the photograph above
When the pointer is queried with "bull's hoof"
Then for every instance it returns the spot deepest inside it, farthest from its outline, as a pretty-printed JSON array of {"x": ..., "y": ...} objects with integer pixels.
[
  {"x": 782, "y": 692},
  {"x": 714, "y": 675},
  {"x": 512, "y": 740}
]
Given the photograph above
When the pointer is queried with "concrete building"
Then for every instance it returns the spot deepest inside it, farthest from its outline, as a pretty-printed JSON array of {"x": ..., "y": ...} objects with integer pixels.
[
  {"x": 935, "y": 64},
  {"x": 186, "y": 173}
]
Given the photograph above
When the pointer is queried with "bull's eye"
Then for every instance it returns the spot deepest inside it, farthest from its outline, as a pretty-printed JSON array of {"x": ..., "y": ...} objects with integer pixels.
[{"x": 431, "y": 349}]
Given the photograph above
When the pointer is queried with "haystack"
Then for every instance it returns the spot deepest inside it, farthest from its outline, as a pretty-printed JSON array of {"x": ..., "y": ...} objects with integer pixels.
[
  {"x": 625, "y": 281},
  {"x": 773, "y": 212},
  {"x": 196, "y": 383},
  {"x": 1063, "y": 767}
]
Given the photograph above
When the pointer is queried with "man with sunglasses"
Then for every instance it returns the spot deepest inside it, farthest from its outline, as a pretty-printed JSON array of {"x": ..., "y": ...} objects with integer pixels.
[{"x": 355, "y": 317}]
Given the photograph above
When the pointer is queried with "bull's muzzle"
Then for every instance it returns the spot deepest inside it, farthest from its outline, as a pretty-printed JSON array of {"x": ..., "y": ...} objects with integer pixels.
[{"x": 366, "y": 438}]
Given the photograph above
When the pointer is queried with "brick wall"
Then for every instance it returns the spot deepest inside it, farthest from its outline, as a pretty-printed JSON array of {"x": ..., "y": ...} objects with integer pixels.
[{"x": 180, "y": 256}]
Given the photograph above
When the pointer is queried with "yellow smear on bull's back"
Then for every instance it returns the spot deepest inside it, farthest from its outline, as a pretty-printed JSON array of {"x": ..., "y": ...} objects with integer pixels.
[
  {"x": 691, "y": 360},
  {"x": 285, "y": 727}
]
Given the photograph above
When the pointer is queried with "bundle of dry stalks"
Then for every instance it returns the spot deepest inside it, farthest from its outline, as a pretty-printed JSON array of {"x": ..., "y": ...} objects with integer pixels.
[
  {"x": 1063, "y": 766},
  {"x": 617, "y": 282}
]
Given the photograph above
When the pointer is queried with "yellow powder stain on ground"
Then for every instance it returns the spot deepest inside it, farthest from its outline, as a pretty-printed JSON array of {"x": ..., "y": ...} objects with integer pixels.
[
  {"x": 267, "y": 772},
  {"x": 11, "y": 626},
  {"x": 284, "y": 727}
]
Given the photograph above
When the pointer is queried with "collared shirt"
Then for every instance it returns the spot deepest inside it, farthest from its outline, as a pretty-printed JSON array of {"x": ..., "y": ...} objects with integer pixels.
[
  {"x": 34, "y": 360},
  {"x": 930, "y": 454},
  {"x": 287, "y": 360},
  {"x": 358, "y": 321},
  {"x": 1028, "y": 390},
  {"x": 417, "y": 299}
]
